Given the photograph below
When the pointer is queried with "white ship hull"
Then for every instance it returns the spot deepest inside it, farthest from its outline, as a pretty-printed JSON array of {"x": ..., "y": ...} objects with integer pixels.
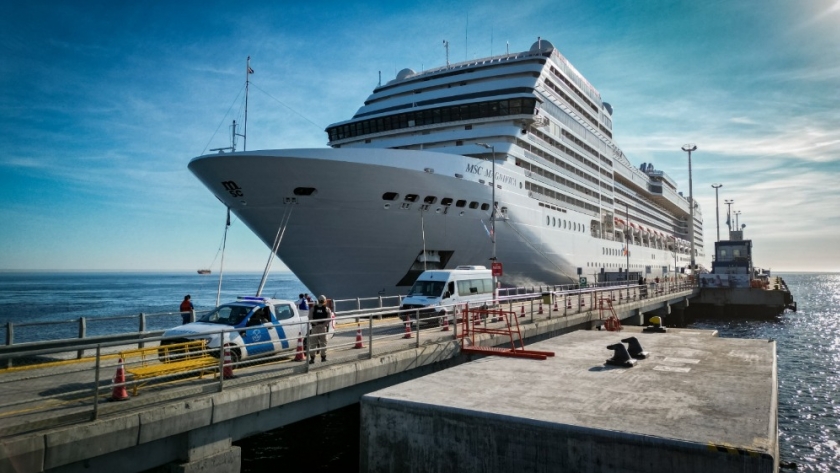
[{"x": 346, "y": 241}]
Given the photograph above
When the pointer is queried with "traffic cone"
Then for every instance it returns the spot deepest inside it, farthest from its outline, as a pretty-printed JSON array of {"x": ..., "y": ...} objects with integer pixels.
[
  {"x": 583, "y": 302},
  {"x": 359, "y": 343},
  {"x": 540, "y": 311},
  {"x": 407, "y": 329},
  {"x": 555, "y": 305},
  {"x": 228, "y": 367},
  {"x": 119, "y": 393},
  {"x": 445, "y": 324},
  {"x": 569, "y": 304},
  {"x": 299, "y": 355},
  {"x": 522, "y": 312}
]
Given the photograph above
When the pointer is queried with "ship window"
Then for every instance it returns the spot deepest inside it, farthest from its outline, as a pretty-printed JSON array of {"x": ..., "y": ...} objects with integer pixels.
[
  {"x": 547, "y": 220},
  {"x": 473, "y": 205},
  {"x": 446, "y": 201},
  {"x": 468, "y": 127},
  {"x": 390, "y": 196},
  {"x": 411, "y": 198},
  {"x": 461, "y": 203},
  {"x": 459, "y": 143},
  {"x": 305, "y": 190},
  {"x": 430, "y": 199},
  {"x": 553, "y": 221},
  {"x": 485, "y": 206}
]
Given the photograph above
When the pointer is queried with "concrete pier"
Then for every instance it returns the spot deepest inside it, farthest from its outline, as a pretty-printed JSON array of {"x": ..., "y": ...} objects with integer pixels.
[{"x": 699, "y": 403}]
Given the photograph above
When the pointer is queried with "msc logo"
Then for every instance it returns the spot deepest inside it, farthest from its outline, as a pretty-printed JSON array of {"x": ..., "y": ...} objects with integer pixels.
[
  {"x": 474, "y": 169},
  {"x": 233, "y": 188}
]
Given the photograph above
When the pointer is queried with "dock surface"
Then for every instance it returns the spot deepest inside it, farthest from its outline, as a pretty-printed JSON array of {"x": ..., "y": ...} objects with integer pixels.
[{"x": 698, "y": 403}]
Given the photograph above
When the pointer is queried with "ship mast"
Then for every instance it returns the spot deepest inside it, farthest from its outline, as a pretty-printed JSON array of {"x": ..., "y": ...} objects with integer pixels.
[{"x": 248, "y": 72}]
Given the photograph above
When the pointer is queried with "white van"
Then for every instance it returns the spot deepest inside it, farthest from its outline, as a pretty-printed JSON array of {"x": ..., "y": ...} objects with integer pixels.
[{"x": 437, "y": 292}]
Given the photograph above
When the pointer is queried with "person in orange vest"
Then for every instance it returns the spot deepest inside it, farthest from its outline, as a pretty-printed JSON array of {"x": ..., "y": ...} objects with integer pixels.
[{"x": 186, "y": 309}]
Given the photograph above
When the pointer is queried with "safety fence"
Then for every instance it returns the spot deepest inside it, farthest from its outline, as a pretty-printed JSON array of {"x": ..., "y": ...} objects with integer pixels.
[{"x": 52, "y": 385}]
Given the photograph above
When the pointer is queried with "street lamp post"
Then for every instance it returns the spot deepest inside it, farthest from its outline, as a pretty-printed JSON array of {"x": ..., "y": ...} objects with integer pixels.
[
  {"x": 492, "y": 149},
  {"x": 627, "y": 231},
  {"x": 689, "y": 148},
  {"x": 737, "y": 214},
  {"x": 729, "y": 203},
  {"x": 717, "y": 213}
]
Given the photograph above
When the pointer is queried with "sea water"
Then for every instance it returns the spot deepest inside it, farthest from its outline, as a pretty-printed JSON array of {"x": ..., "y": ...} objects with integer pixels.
[{"x": 808, "y": 348}]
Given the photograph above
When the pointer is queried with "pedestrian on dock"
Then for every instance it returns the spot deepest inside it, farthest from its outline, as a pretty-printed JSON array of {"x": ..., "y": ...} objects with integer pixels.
[
  {"x": 302, "y": 303},
  {"x": 320, "y": 316},
  {"x": 186, "y": 310}
]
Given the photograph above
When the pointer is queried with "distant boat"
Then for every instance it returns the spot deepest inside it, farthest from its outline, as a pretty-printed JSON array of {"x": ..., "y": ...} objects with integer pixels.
[{"x": 203, "y": 271}]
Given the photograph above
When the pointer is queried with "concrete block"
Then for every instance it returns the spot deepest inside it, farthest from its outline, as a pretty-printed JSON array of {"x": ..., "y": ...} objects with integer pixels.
[
  {"x": 295, "y": 388},
  {"x": 78, "y": 442},
  {"x": 228, "y": 461},
  {"x": 240, "y": 401},
  {"x": 336, "y": 377},
  {"x": 175, "y": 418},
  {"x": 438, "y": 352},
  {"x": 22, "y": 454},
  {"x": 208, "y": 441},
  {"x": 375, "y": 368}
]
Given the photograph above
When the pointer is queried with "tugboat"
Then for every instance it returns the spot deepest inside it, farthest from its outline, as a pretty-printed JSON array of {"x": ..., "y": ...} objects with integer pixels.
[{"x": 737, "y": 289}]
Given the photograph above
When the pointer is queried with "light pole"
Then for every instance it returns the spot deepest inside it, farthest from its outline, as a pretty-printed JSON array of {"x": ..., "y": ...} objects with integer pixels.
[
  {"x": 627, "y": 246},
  {"x": 717, "y": 213},
  {"x": 689, "y": 148},
  {"x": 737, "y": 214},
  {"x": 492, "y": 148},
  {"x": 729, "y": 203}
]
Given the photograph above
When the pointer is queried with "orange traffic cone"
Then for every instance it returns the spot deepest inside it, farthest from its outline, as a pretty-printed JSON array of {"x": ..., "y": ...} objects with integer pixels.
[
  {"x": 119, "y": 393},
  {"x": 522, "y": 312},
  {"x": 228, "y": 366},
  {"x": 445, "y": 324},
  {"x": 359, "y": 343},
  {"x": 407, "y": 329},
  {"x": 299, "y": 356}
]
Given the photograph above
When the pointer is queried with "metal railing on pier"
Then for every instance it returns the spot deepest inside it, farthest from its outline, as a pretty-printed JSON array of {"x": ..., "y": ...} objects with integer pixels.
[{"x": 52, "y": 384}]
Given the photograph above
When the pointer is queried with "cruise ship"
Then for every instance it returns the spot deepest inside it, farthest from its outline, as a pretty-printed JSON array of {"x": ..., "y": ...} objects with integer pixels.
[{"x": 407, "y": 184}]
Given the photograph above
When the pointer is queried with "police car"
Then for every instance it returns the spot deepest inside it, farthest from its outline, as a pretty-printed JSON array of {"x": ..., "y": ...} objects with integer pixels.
[{"x": 261, "y": 326}]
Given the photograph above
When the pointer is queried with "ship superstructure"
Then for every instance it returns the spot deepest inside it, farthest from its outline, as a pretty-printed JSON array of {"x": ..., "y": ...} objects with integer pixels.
[{"x": 405, "y": 185}]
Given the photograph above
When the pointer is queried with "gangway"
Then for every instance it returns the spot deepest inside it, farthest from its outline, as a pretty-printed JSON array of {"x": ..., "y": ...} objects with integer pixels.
[
  {"x": 612, "y": 323},
  {"x": 474, "y": 322}
]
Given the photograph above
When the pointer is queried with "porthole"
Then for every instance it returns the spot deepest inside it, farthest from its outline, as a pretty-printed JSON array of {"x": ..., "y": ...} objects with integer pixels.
[
  {"x": 485, "y": 206},
  {"x": 564, "y": 224},
  {"x": 473, "y": 205},
  {"x": 387, "y": 206},
  {"x": 446, "y": 201},
  {"x": 553, "y": 222},
  {"x": 390, "y": 196},
  {"x": 430, "y": 199},
  {"x": 305, "y": 190},
  {"x": 547, "y": 220},
  {"x": 460, "y": 203},
  {"x": 411, "y": 198}
]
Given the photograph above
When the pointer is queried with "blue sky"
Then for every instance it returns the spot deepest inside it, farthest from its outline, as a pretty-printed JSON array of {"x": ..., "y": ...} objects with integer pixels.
[{"x": 103, "y": 104}]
